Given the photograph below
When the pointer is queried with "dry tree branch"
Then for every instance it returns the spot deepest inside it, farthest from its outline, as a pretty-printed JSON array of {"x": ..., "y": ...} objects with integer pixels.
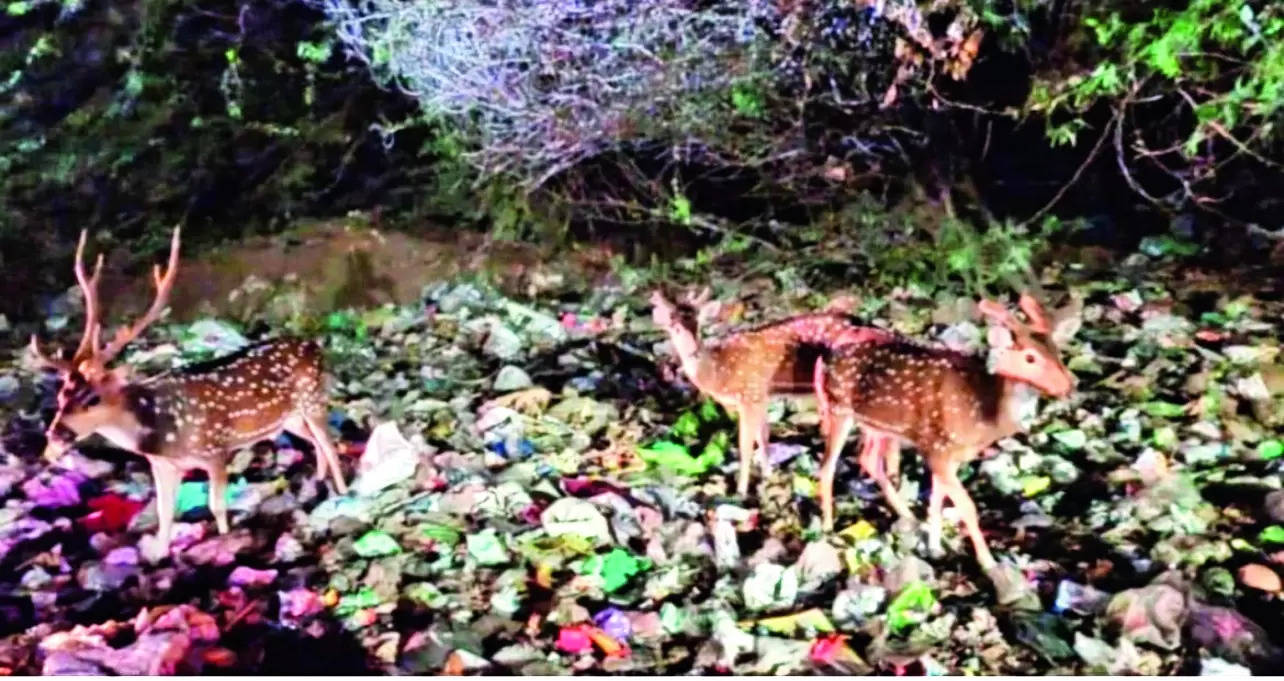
[{"x": 1096, "y": 149}]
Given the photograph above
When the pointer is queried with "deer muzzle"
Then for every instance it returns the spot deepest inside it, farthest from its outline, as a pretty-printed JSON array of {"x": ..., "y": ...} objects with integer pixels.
[{"x": 56, "y": 443}]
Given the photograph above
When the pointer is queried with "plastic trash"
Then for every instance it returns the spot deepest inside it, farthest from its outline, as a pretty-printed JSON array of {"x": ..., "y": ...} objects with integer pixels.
[
  {"x": 486, "y": 548},
  {"x": 615, "y": 623},
  {"x": 1152, "y": 614},
  {"x": 576, "y": 517},
  {"x": 246, "y": 576},
  {"x": 110, "y": 513},
  {"x": 297, "y": 605},
  {"x": 1079, "y": 598},
  {"x": 388, "y": 459},
  {"x": 770, "y": 587},
  {"x": 677, "y": 458},
  {"x": 812, "y": 620},
  {"x": 912, "y": 606},
  {"x": 376, "y": 543},
  {"x": 196, "y": 494},
  {"x": 574, "y": 639},
  {"x": 615, "y": 568},
  {"x": 61, "y": 490}
]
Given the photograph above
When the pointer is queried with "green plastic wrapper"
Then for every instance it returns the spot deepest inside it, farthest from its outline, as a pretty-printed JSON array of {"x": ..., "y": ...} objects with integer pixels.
[
  {"x": 376, "y": 543},
  {"x": 365, "y": 598},
  {"x": 676, "y": 457},
  {"x": 911, "y": 606},
  {"x": 615, "y": 568}
]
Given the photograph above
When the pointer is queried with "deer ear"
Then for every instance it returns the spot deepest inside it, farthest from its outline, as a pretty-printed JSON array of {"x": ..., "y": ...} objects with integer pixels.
[
  {"x": 1034, "y": 311},
  {"x": 1067, "y": 324},
  {"x": 661, "y": 310},
  {"x": 708, "y": 312},
  {"x": 119, "y": 377},
  {"x": 995, "y": 312},
  {"x": 998, "y": 337}
]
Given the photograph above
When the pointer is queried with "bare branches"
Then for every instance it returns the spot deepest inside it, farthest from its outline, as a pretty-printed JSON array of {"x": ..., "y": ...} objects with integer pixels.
[
  {"x": 540, "y": 85},
  {"x": 1096, "y": 149}
]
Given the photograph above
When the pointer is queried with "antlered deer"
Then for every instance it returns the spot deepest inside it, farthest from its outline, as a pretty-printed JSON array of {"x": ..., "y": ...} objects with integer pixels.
[{"x": 191, "y": 419}]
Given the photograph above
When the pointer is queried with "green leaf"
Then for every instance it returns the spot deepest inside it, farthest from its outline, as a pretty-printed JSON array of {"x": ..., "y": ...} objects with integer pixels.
[
  {"x": 1071, "y": 439},
  {"x": 1272, "y": 535},
  {"x": 680, "y": 209},
  {"x": 1163, "y": 409},
  {"x": 687, "y": 425}
]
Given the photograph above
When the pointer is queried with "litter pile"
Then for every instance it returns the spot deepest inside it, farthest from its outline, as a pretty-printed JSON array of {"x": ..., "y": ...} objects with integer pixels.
[{"x": 530, "y": 495}]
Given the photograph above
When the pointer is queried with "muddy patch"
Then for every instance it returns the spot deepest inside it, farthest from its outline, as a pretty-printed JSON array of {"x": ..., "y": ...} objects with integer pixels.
[{"x": 327, "y": 266}]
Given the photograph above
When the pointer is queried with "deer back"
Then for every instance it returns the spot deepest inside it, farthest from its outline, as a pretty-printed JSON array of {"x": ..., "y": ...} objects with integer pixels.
[
  {"x": 934, "y": 398},
  {"x": 232, "y": 401}
]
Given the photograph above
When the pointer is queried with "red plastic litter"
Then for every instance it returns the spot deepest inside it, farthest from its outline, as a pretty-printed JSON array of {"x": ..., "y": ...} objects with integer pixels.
[{"x": 110, "y": 513}]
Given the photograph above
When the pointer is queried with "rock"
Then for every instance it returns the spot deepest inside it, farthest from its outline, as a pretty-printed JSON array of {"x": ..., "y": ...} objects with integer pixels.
[
  {"x": 512, "y": 378},
  {"x": 463, "y": 295},
  {"x": 1257, "y": 576},
  {"x": 1274, "y": 506},
  {"x": 1153, "y": 615},
  {"x": 502, "y": 342},
  {"x": 9, "y": 386},
  {"x": 818, "y": 563}
]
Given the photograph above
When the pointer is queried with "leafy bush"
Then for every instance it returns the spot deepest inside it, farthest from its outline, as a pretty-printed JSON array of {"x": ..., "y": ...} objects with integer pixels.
[
  {"x": 127, "y": 118},
  {"x": 1193, "y": 94}
]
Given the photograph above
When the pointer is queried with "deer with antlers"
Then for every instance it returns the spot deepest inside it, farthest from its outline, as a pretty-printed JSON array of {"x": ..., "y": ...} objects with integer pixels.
[
  {"x": 948, "y": 404},
  {"x": 194, "y": 418},
  {"x": 743, "y": 370}
]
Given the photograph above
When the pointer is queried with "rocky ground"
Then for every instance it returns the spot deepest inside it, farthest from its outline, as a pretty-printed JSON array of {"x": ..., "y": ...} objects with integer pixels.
[{"x": 533, "y": 494}]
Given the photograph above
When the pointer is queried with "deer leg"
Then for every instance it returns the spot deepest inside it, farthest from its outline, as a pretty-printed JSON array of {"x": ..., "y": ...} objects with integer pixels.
[
  {"x": 166, "y": 477},
  {"x": 953, "y": 488},
  {"x": 764, "y": 434},
  {"x": 218, "y": 495},
  {"x": 886, "y": 451},
  {"x": 868, "y": 457},
  {"x": 316, "y": 427},
  {"x": 839, "y": 428},
  {"x": 935, "y": 506},
  {"x": 298, "y": 426},
  {"x": 749, "y": 432},
  {"x": 892, "y": 462}
]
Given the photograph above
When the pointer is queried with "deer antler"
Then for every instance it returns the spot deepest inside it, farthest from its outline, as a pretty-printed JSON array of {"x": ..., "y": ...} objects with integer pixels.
[
  {"x": 89, "y": 338},
  {"x": 89, "y": 287},
  {"x": 164, "y": 283},
  {"x": 45, "y": 360}
]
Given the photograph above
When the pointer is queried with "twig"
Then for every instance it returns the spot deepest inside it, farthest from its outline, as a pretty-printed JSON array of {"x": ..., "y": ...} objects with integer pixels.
[
  {"x": 1123, "y": 164},
  {"x": 1096, "y": 149}
]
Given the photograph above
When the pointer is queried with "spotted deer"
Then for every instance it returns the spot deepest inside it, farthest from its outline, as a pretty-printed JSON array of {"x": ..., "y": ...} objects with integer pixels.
[
  {"x": 194, "y": 418},
  {"x": 950, "y": 405},
  {"x": 743, "y": 370}
]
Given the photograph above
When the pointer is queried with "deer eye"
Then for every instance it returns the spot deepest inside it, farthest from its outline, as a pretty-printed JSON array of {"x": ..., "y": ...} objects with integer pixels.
[{"x": 93, "y": 400}]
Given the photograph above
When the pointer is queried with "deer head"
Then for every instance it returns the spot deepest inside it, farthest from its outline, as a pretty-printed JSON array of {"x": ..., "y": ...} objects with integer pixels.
[
  {"x": 682, "y": 322},
  {"x": 91, "y": 398},
  {"x": 1030, "y": 353}
]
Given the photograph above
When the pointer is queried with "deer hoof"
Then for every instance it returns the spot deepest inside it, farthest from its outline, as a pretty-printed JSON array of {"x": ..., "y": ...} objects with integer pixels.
[{"x": 1011, "y": 588}]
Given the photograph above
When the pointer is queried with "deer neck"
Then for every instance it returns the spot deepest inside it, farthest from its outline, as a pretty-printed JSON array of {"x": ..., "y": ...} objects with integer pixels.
[
  {"x": 1018, "y": 404},
  {"x": 690, "y": 355},
  {"x": 135, "y": 425}
]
